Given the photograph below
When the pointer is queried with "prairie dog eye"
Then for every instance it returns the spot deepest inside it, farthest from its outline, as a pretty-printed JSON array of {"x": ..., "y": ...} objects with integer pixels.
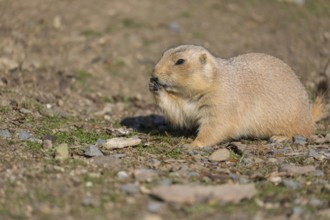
[{"x": 179, "y": 62}]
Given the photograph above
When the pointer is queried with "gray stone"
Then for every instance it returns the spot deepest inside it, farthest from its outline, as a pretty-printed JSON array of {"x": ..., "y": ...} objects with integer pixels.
[
  {"x": 92, "y": 151},
  {"x": 155, "y": 207},
  {"x": 88, "y": 201},
  {"x": 174, "y": 26},
  {"x": 233, "y": 176},
  {"x": 193, "y": 152},
  {"x": 25, "y": 111},
  {"x": 315, "y": 202},
  {"x": 24, "y": 135},
  {"x": 156, "y": 162},
  {"x": 192, "y": 174},
  {"x": 291, "y": 184},
  {"x": 129, "y": 188},
  {"x": 220, "y": 155},
  {"x": 298, "y": 2},
  {"x": 299, "y": 140},
  {"x": 297, "y": 211},
  {"x": 119, "y": 155},
  {"x": 145, "y": 174},
  {"x": 319, "y": 154},
  {"x": 243, "y": 180},
  {"x": 167, "y": 182},
  {"x": 318, "y": 139},
  {"x": 5, "y": 133},
  {"x": 100, "y": 142}
]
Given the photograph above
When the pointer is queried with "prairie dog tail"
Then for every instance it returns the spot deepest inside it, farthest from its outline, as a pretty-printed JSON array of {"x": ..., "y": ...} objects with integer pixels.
[{"x": 319, "y": 108}]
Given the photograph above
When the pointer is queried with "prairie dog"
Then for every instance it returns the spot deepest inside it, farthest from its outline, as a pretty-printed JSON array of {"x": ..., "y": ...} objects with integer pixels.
[{"x": 251, "y": 95}]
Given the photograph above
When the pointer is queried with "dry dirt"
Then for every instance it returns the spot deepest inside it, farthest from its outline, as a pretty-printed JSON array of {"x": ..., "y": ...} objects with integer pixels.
[{"x": 77, "y": 71}]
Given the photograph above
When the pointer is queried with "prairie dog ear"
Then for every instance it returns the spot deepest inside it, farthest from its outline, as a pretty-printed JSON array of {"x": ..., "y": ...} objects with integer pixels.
[{"x": 203, "y": 58}]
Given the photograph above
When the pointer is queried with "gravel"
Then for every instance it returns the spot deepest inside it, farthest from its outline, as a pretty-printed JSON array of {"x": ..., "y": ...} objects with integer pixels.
[
  {"x": 24, "y": 135},
  {"x": 92, "y": 151},
  {"x": 129, "y": 188},
  {"x": 5, "y": 133}
]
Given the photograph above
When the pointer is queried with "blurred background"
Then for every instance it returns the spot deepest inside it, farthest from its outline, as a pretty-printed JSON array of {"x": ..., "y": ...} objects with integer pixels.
[{"x": 111, "y": 46}]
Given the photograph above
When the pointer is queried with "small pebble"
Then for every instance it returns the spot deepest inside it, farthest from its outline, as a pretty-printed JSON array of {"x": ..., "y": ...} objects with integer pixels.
[
  {"x": 145, "y": 174},
  {"x": 24, "y": 135},
  {"x": 291, "y": 184},
  {"x": 100, "y": 142},
  {"x": 118, "y": 155},
  {"x": 88, "y": 201},
  {"x": 155, "y": 207},
  {"x": 129, "y": 188},
  {"x": 92, "y": 151},
  {"x": 25, "y": 111},
  {"x": 167, "y": 182},
  {"x": 192, "y": 174},
  {"x": 233, "y": 176},
  {"x": 89, "y": 184},
  {"x": 315, "y": 202},
  {"x": 275, "y": 179},
  {"x": 243, "y": 180},
  {"x": 155, "y": 162},
  {"x": 297, "y": 211},
  {"x": 220, "y": 155},
  {"x": 272, "y": 160},
  {"x": 5, "y": 134},
  {"x": 122, "y": 175},
  {"x": 299, "y": 140},
  {"x": 174, "y": 26}
]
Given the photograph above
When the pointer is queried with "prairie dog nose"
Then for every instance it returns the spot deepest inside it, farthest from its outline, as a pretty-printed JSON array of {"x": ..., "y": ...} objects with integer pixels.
[
  {"x": 154, "y": 79},
  {"x": 154, "y": 85}
]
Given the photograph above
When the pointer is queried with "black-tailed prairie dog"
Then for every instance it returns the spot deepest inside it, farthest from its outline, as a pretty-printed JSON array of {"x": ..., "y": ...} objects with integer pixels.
[{"x": 251, "y": 95}]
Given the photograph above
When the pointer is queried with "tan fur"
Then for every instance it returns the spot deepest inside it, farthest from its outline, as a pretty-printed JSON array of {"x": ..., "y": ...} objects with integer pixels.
[
  {"x": 252, "y": 95},
  {"x": 319, "y": 108}
]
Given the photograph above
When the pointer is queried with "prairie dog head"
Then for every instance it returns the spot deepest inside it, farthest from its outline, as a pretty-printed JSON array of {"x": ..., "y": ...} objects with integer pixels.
[{"x": 185, "y": 70}]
